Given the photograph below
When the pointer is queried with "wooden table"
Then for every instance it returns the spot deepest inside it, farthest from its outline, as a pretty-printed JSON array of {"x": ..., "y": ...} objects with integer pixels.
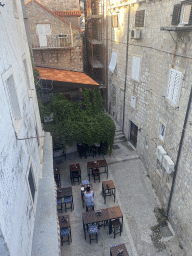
[
  {"x": 107, "y": 214},
  {"x": 114, "y": 250},
  {"x": 64, "y": 221},
  {"x": 82, "y": 191},
  {"x": 74, "y": 168},
  {"x": 66, "y": 191},
  {"x": 108, "y": 189},
  {"x": 97, "y": 164}
]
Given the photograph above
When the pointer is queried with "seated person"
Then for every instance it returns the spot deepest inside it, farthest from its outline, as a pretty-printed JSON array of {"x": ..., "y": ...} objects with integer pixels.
[{"x": 88, "y": 196}]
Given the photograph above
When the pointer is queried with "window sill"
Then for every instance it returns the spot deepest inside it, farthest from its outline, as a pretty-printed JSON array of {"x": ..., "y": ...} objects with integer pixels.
[{"x": 178, "y": 28}]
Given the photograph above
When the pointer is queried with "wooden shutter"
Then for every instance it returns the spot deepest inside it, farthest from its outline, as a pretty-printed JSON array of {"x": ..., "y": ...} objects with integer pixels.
[
  {"x": 176, "y": 14},
  {"x": 139, "y": 18},
  {"x": 174, "y": 85},
  {"x": 190, "y": 18},
  {"x": 136, "y": 68}
]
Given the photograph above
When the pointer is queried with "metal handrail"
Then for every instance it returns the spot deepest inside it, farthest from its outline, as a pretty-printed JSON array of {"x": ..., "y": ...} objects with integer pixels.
[{"x": 52, "y": 41}]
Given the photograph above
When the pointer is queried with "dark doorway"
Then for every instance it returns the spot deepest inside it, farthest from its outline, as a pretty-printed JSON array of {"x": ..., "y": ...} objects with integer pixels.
[{"x": 133, "y": 134}]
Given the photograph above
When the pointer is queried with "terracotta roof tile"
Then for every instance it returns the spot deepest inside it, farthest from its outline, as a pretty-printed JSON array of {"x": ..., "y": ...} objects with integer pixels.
[
  {"x": 68, "y": 13},
  {"x": 65, "y": 76}
]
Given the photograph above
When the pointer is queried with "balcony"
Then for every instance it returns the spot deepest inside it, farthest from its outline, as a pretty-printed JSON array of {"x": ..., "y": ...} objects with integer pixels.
[{"x": 59, "y": 41}]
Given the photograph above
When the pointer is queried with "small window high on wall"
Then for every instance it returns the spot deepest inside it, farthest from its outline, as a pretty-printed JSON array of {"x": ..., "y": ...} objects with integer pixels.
[
  {"x": 136, "y": 68},
  {"x": 31, "y": 181}
]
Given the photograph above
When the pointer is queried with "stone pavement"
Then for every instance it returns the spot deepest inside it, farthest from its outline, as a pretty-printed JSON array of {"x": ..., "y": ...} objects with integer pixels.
[{"x": 135, "y": 196}]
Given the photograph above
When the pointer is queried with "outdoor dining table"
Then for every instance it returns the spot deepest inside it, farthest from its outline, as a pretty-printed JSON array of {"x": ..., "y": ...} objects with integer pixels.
[
  {"x": 64, "y": 221},
  {"x": 106, "y": 214},
  {"x": 74, "y": 168},
  {"x": 83, "y": 189},
  {"x": 97, "y": 164},
  {"x": 116, "y": 249},
  {"x": 65, "y": 191}
]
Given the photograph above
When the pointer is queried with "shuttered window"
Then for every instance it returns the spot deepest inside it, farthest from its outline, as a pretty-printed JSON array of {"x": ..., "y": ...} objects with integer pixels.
[
  {"x": 174, "y": 85},
  {"x": 43, "y": 30},
  {"x": 12, "y": 93},
  {"x": 136, "y": 68},
  {"x": 31, "y": 183},
  {"x": 115, "y": 21},
  {"x": 139, "y": 18},
  {"x": 182, "y": 14}
]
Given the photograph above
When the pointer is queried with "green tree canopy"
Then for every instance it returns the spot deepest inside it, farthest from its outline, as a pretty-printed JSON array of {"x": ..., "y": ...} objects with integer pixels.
[{"x": 81, "y": 122}]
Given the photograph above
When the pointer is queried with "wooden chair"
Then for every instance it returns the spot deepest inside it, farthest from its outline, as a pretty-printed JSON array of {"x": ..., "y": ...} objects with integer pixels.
[
  {"x": 116, "y": 227},
  {"x": 65, "y": 232},
  {"x": 93, "y": 230},
  {"x": 96, "y": 174},
  {"x": 59, "y": 202},
  {"x": 68, "y": 200},
  {"x": 76, "y": 177}
]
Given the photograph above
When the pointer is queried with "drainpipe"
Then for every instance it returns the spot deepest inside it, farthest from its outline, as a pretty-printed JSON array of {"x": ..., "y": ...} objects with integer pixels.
[
  {"x": 106, "y": 58},
  {"x": 126, "y": 66},
  {"x": 179, "y": 153}
]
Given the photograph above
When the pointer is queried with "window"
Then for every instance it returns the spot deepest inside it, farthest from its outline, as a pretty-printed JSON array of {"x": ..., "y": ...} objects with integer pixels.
[
  {"x": 15, "y": 9},
  {"x": 139, "y": 18},
  {"x": 115, "y": 21},
  {"x": 113, "y": 62},
  {"x": 43, "y": 30},
  {"x": 15, "y": 109},
  {"x": 182, "y": 14},
  {"x": 161, "y": 131},
  {"x": 26, "y": 73},
  {"x": 37, "y": 135},
  {"x": 31, "y": 182},
  {"x": 136, "y": 68},
  {"x": 174, "y": 85}
]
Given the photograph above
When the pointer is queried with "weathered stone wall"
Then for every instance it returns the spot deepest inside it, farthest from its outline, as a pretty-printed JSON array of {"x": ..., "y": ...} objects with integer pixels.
[
  {"x": 159, "y": 52},
  {"x": 17, "y": 212},
  {"x": 58, "y": 58}
]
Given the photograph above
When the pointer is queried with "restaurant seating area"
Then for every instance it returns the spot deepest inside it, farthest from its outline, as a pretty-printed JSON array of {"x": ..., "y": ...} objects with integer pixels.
[{"x": 101, "y": 220}]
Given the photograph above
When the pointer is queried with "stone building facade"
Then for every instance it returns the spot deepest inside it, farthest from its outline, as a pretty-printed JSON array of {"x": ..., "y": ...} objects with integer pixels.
[
  {"x": 21, "y": 135},
  {"x": 149, "y": 92},
  {"x": 55, "y": 42}
]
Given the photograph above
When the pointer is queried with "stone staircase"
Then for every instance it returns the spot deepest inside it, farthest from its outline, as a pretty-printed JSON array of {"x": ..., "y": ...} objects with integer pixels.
[{"x": 119, "y": 136}]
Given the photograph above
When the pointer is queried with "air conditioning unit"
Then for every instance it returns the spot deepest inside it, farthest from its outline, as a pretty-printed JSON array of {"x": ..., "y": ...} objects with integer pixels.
[
  {"x": 160, "y": 153},
  {"x": 168, "y": 164},
  {"x": 136, "y": 33}
]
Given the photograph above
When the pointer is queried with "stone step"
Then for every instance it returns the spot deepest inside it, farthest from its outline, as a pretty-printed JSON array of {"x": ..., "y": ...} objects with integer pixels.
[{"x": 119, "y": 136}]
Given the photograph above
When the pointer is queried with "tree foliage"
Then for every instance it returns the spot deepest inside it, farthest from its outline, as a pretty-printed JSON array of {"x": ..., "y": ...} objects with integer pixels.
[{"x": 81, "y": 122}]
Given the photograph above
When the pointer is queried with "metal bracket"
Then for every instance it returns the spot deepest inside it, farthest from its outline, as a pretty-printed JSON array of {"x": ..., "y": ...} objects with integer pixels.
[
  {"x": 2, "y": 4},
  {"x": 172, "y": 37}
]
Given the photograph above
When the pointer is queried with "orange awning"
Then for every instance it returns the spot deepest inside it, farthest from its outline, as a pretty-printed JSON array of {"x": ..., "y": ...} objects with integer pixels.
[{"x": 67, "y": 78}]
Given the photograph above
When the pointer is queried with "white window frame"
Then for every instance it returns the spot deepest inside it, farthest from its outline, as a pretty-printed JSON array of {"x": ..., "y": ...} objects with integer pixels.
[
  {"x": 17, "y": 123},
  {"x": 162, "y": 131},
  {"x": 183, "y": 10},
  {"x": 15, "y": 9},
  {"x": 136, "y": 75},
  {"x": 43, "y": 36},
  {"x": 33, "y": 201},
  {"x": 174, "y": 86}
]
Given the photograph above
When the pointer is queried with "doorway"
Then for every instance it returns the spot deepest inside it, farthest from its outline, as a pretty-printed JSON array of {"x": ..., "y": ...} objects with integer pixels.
[{"x": 133, "y": 134}]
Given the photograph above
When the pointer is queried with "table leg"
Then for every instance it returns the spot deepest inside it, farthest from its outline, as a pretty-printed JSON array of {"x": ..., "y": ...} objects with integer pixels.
[
  {"x": 107, "y": 172},
  {"x": 84, "y": 230}
]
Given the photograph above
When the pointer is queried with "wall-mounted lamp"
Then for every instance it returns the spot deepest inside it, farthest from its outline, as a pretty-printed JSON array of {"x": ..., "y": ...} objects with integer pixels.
[
  {"x": 139, "y": 129},
  {"x": 2, "y": 4}
]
